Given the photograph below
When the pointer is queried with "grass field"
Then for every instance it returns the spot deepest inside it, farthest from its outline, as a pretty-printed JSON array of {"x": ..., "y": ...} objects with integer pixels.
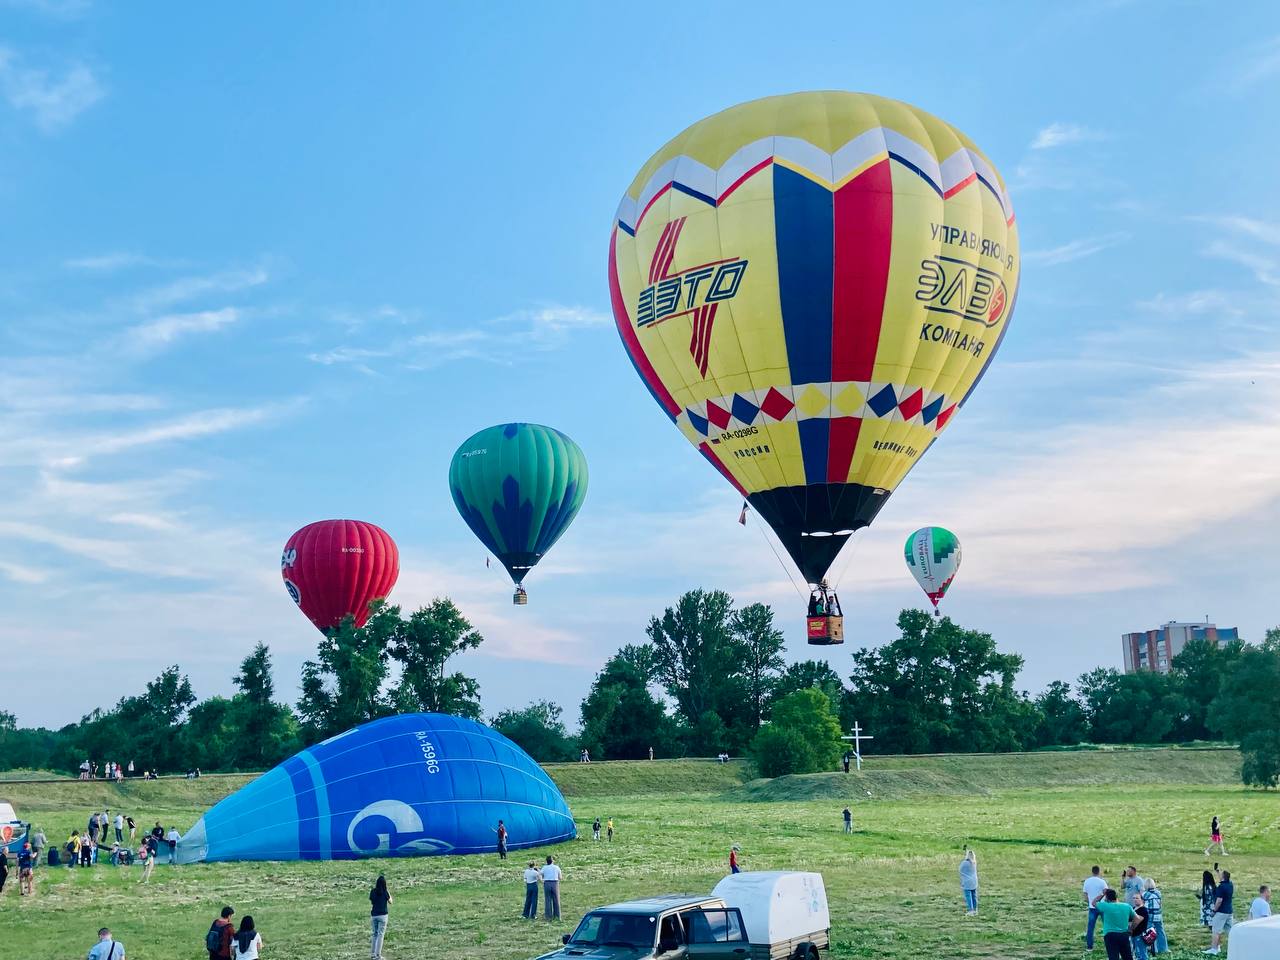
[{"x": 1037, "y": 821}]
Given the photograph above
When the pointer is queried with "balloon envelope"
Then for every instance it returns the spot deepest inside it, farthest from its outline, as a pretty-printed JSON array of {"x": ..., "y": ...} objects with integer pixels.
[
  {"x": 810, "y": 286},
  {"x": 335, "y": 568},
  {"x": 933, "y": 557},
  {"x": 518, "y": 486},
  {"x": 413, "y": 784}
]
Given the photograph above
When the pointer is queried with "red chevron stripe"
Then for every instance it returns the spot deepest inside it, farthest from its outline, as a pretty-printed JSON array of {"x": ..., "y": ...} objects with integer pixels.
[
  {"x": 658, "y": 253},
  {"x": 671, "y": 247}
]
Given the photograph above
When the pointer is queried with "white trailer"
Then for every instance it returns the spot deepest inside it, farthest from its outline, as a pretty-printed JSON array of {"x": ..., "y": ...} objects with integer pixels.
[
  {"x": 777, "y": 915},
  {"x": 1255, "y": 939}
]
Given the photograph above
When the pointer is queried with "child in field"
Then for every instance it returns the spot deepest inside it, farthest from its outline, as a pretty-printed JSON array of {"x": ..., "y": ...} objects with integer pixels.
[
  {"x": 734, "y": 866},
  {"x": 148, "y": 854},
  {"x": 595, "y": 829}
]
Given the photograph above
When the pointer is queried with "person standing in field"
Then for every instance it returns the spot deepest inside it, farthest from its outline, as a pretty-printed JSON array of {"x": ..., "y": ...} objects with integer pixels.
[
  {"x": 501, "y": 831},
  {"x": 969, "y": 882},
  {"x": 531, "y": 878},
  {"x": 172, "y": 838},
  {"x": 1208, "y": 894},
  {"x": 1116, "y": 918},
  {"x": 380, "y": 898},
  {"x": 1094, "y": 887},
  {"x": 119, "y": 825},
  {"x": 848, "y": 820},
  {"x": 595, "y": 829},
  {"x": 148, "y": 854},
  {"x": 1261, "y": 906},
  {"x": 26, "y": 870},
  {"x": 551, "y": 876},
  {"x": 38, "y": 842},
  {"x": 73, "y": 848},
  {"x": 734, "y": 865},
  {"x": 1138, "y": 928},
  {"x": 4, "y": 867},
  {"x": 106, "y": 948},
  {"x": 609, "y": 829},
  {"x": 247, "y": 943},
  {"x": 1215, "y": 838},
  {"x": 218, "y": 940},
  {"x": 651, "y": 753},
  {"x": 1223, "y": 908},
  {"x": 1133, "y": 884},
  {"x": 133, "y": 828},
  {"x": 1154, "y": 902}
]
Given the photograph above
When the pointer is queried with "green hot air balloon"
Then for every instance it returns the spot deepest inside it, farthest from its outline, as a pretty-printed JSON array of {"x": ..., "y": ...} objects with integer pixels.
[{"x": 518, "y": 486}]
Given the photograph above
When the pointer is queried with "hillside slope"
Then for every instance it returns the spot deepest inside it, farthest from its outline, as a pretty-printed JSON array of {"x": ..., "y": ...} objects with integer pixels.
[{"x": 888, "y": 778}]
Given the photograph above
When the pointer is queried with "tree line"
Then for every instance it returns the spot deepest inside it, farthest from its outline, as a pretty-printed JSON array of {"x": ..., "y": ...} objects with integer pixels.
[{"x": 710, "y": 678}]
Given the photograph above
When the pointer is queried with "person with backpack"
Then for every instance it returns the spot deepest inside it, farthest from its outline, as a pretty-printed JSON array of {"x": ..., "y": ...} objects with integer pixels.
[
  {"x": 247, "y": 943},
  {"x": 380, "y": 898},
  {"x": 218, "y": 940},
  {"x": 595, "y": 829}
]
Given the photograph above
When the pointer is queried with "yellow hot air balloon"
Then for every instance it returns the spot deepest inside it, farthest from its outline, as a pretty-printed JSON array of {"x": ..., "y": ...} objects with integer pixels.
[{"x": 811, "y": 286}]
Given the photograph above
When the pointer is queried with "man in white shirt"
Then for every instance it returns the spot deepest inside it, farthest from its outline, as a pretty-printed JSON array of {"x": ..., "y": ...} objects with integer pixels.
[
  {"x": 106, "y": 948},
  {"x": 1094, "y": 888},
  {"x": 531, "y": 878},
  {"x": 1261, "y": 906},
  {"x": 551, "y": 874}
]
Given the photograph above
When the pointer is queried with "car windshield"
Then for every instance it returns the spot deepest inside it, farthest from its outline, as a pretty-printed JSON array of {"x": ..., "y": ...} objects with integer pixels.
[{"x": 615, "y": 930}]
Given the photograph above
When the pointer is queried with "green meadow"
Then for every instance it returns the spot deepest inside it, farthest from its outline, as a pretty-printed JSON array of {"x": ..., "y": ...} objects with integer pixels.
[{"x": 1037, "y": 821}]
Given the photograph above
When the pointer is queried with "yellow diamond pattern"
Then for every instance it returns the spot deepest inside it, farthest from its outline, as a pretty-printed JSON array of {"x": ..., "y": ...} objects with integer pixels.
[
  {"x": 849, "y": 399},
  {"x": 813, "y": 401}
]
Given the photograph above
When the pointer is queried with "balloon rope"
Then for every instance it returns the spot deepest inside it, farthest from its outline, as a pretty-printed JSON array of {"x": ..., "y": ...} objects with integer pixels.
[
  {"x": 848, "y": 560},
  {"x": 781, "y": 562}
]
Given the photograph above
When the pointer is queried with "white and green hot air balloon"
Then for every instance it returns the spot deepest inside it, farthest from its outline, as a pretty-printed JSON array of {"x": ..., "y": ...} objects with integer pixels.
[{"x": 933, "y": 556}]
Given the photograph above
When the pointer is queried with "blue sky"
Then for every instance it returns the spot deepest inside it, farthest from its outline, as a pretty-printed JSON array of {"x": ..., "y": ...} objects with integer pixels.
[{"x": 269, "y": 264}]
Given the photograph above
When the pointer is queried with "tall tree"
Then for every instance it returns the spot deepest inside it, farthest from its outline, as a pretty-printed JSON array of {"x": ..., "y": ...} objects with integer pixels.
[
  {"x": 265, "y": 731},
  {"x": 1247, "y": 709},
  {"x": 1197, "y": 673},
  {"x": 804, "y": 674},
  {"x": 621, "y": 719},
  {"x": 538, "y": 730},
  {"x": 422, "y": 645},
  {"x": 802, "y": 736},
  {"x": 939, "y": 687},
  {"x": 761, "y": 645},
  {"x": 697, "y": 656},
  {"x": 1062, "y": 720},
  {"x": 1140, "y": 707},
  {"x": 342, "y": 686}
]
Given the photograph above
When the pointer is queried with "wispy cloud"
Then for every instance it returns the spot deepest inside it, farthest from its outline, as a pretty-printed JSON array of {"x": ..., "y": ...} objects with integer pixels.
[
  {"x": 202, "y": 424},
  {"x": 53, "y": 101},
  {"x": 56, "y": 9},
  {"x": 165, "y": 330},
  {"x": 1075, "y": 250},
  {"x": 191, "y": 288},
  {"x": 502, "y": 341},
  {"x": 1217, "y": 302},
  {"x": 1061, "y": 134},
  {"x": 109, "y": 262},
  {"x": 1257, "y": 63},
  {"x": 1262, "y": 230},
  {"x": 1264, "y": 268}
]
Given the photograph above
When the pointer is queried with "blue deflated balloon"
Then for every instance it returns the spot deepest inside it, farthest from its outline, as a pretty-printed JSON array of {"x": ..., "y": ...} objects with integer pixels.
[{"x": 413, "y": 784}]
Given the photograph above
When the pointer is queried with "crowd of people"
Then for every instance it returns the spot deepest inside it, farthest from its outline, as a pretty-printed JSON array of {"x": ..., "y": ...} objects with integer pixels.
[{"x": 93, "y": 846}]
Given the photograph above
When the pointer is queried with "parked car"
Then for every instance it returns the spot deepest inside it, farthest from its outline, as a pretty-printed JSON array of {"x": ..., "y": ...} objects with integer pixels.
[{"x": 749, "y": 916}]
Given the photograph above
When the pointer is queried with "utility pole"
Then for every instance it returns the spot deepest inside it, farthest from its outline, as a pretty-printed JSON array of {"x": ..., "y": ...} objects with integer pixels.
[{"x": 857, "y": 737}]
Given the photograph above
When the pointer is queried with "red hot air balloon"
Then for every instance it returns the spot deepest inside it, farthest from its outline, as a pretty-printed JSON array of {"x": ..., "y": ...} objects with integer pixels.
[{"x": 336, "y": 568}]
